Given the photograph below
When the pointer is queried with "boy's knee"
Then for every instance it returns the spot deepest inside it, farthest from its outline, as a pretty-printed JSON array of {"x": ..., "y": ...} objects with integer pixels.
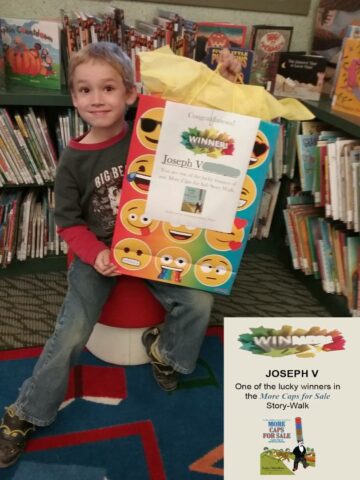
[{"x": 202, "y": 302}]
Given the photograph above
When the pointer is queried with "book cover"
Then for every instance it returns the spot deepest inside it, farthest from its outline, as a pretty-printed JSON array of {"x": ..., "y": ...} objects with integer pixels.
[
  {"x": 268, "y": 41},
  {"x": 299, "y": 76},
  {"x": 289, "y": 397},
  {"x": 346, "y": 98},
  {"x": 220, "y": 35},
  {"x": 185, "y": 253},
  {"x": 306, "y": 153},
  {"x": 243, "y": 55},
  {"x": 331, "y": 22},
  {"x": 32, "y": 52}
]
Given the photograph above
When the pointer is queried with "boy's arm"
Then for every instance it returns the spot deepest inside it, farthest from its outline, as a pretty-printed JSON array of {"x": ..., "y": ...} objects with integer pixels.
[{"x": 82, "y": 242}]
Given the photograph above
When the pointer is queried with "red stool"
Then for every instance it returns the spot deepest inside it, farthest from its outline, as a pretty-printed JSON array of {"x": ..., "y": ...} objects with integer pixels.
[{"x": 129, "y": 311}]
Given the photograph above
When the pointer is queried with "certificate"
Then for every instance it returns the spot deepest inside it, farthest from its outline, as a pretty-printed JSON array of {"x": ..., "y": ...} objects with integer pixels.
[
  {"x": 291, "y": 397},
  {"x": 200, "y": 166}
]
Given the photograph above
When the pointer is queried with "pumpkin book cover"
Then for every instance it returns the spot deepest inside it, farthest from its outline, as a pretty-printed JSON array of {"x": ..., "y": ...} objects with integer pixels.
[
  {"x": 31, "y": 52},
  {"x": 220, "y": 35}
]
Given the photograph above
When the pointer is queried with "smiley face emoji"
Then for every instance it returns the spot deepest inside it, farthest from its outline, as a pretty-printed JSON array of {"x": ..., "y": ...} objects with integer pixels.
[
  {"x": 181, "y": 233},
  {"x": 134, "y": 219},
  {"x": 132, "y": 254},
  {"x": 148, "y": 127},
  {"x": 139, "y": 173},
  {"x": 172, "y": 263},
  {"x": 260, "y": 150},
  {"x": 248, "y": 194},
  {"x": 213, "y": 270},
  {"x": 227, "y": 241}
]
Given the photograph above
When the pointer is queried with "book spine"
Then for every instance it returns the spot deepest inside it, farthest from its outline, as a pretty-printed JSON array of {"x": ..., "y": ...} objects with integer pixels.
[
  {"x": 13, "y": 150},
  {"x": 10, "y": 161},
  {"x": 33, "y": 153}
]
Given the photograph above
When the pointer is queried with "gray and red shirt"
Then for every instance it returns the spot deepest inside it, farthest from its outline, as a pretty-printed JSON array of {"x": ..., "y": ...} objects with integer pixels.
[{"x": 87, "y": 192}]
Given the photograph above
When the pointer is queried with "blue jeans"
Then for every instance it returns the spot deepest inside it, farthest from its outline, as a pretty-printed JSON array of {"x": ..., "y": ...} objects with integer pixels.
[{"x": 188, "y": 313}]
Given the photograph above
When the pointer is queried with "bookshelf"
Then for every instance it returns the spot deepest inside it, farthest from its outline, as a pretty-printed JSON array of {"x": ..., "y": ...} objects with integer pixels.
[
  {"x": 349, "y": 125},
  {"x": 52, "y": 102},
  {"x": 35, "y": 98},
  {"x": 322, "y": 110}
]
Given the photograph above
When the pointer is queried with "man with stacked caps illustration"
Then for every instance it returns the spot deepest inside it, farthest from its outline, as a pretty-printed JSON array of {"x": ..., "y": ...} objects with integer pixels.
[{"x": 299, "y": 452}]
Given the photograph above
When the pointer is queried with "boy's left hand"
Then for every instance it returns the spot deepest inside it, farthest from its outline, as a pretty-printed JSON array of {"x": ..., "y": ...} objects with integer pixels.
[{"x": 229, "y": 67}]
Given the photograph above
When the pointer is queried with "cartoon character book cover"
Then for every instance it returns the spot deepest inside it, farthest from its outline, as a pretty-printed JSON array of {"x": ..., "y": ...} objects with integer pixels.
[
  {"x": 285, "y": 449},
  {"x": 178, "y": 254},
  {"x": 267, "y": 42},
  {"x": 32, "y": 53},
  {"x": 243, "y": 55},
  {"x": 347, "y": 89}
]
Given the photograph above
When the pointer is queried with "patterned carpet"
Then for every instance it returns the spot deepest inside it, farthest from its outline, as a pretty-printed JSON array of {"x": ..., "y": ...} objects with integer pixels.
[{"x": 264, "y": 287}]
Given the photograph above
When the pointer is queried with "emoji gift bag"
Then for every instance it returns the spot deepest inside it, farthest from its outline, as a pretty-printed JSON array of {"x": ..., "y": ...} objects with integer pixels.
[{"x": 193, "y": 180}]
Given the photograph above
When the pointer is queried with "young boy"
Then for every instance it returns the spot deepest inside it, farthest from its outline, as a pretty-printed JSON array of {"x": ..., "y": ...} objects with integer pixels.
[{"x": 102, "y": 87}]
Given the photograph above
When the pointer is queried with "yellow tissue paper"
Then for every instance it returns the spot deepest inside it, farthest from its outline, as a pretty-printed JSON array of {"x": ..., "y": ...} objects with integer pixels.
[{"x": 184, "y": 80}]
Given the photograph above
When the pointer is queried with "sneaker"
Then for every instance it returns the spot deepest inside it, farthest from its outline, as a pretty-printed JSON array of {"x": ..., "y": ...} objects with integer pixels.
[
  {"x": 166, "y": 376},
  {"x": 14, "y": 434}
]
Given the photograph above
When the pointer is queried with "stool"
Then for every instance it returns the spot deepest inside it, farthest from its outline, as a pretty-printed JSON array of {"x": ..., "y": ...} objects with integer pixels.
[{"x": 128, "y": 312}]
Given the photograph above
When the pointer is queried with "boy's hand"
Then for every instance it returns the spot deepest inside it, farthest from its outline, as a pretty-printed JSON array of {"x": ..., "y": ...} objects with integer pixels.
[
  {"x": 104, "y": 266},
  {"x": 229, "y": 67}
]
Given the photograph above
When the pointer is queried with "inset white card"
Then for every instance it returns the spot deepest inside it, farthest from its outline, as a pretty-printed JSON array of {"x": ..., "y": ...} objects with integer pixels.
[{"x": 291, "y": 406}]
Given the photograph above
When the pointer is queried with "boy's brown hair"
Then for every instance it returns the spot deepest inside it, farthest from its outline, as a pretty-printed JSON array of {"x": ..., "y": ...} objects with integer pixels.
[{"x": 106, "y": 52}]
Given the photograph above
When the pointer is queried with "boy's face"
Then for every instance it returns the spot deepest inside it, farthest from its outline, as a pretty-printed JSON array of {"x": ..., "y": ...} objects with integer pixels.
[{"x": 100, "y": 96}]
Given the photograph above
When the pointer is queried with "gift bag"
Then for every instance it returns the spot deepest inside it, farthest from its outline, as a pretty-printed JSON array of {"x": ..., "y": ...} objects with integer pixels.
[{"x": 215, "y": 178}]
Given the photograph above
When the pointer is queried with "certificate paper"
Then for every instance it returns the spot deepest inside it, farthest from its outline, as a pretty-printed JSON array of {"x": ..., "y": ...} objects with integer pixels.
[
  {"x": 291, "y": 397},
  {"x": 200, "y": 166}
]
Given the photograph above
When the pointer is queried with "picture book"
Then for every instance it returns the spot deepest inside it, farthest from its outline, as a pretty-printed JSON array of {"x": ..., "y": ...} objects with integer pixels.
[
  {"x": 184, "y": 253},
  {"x": 220, "y": 35},
  {"x": 32, "y": 53},
  {"x": 268, "y": 41},
  {"x": 332, "y": 21},
  {"x": 299, "y": 76},
  {"x": 346, "y": 98},
  {"x": 306, "y": 153},
  {"x": 286, "y": 397},
  {"x": 243, "y": 55}
]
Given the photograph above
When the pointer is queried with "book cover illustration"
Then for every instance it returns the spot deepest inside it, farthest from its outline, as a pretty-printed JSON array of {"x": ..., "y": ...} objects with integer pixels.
[
  {"x": 331, "y": 22},
  {"x": 347, "y": 90},
  {"x": 243, "y": 55},
  {"x": 179, "y": 254},
  {"x": 284, "y": 450},
  {"x": 300, "y": 76},
  {"x": 32, "y": 52},
  {"x": 267, "y": 43},
  {"x": 219, "y": 35}
]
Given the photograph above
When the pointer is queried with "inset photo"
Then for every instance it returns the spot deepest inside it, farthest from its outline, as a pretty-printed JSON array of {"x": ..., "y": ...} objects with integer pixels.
[{"x": 193, "y": 200}]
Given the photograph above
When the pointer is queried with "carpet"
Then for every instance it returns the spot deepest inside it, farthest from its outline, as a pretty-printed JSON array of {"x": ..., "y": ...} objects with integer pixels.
[{"x": 117, "y": 424}]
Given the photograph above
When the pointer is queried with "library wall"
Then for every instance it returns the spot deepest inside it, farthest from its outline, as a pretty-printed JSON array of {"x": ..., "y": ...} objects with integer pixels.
[{"x": 303, "y": 25}]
